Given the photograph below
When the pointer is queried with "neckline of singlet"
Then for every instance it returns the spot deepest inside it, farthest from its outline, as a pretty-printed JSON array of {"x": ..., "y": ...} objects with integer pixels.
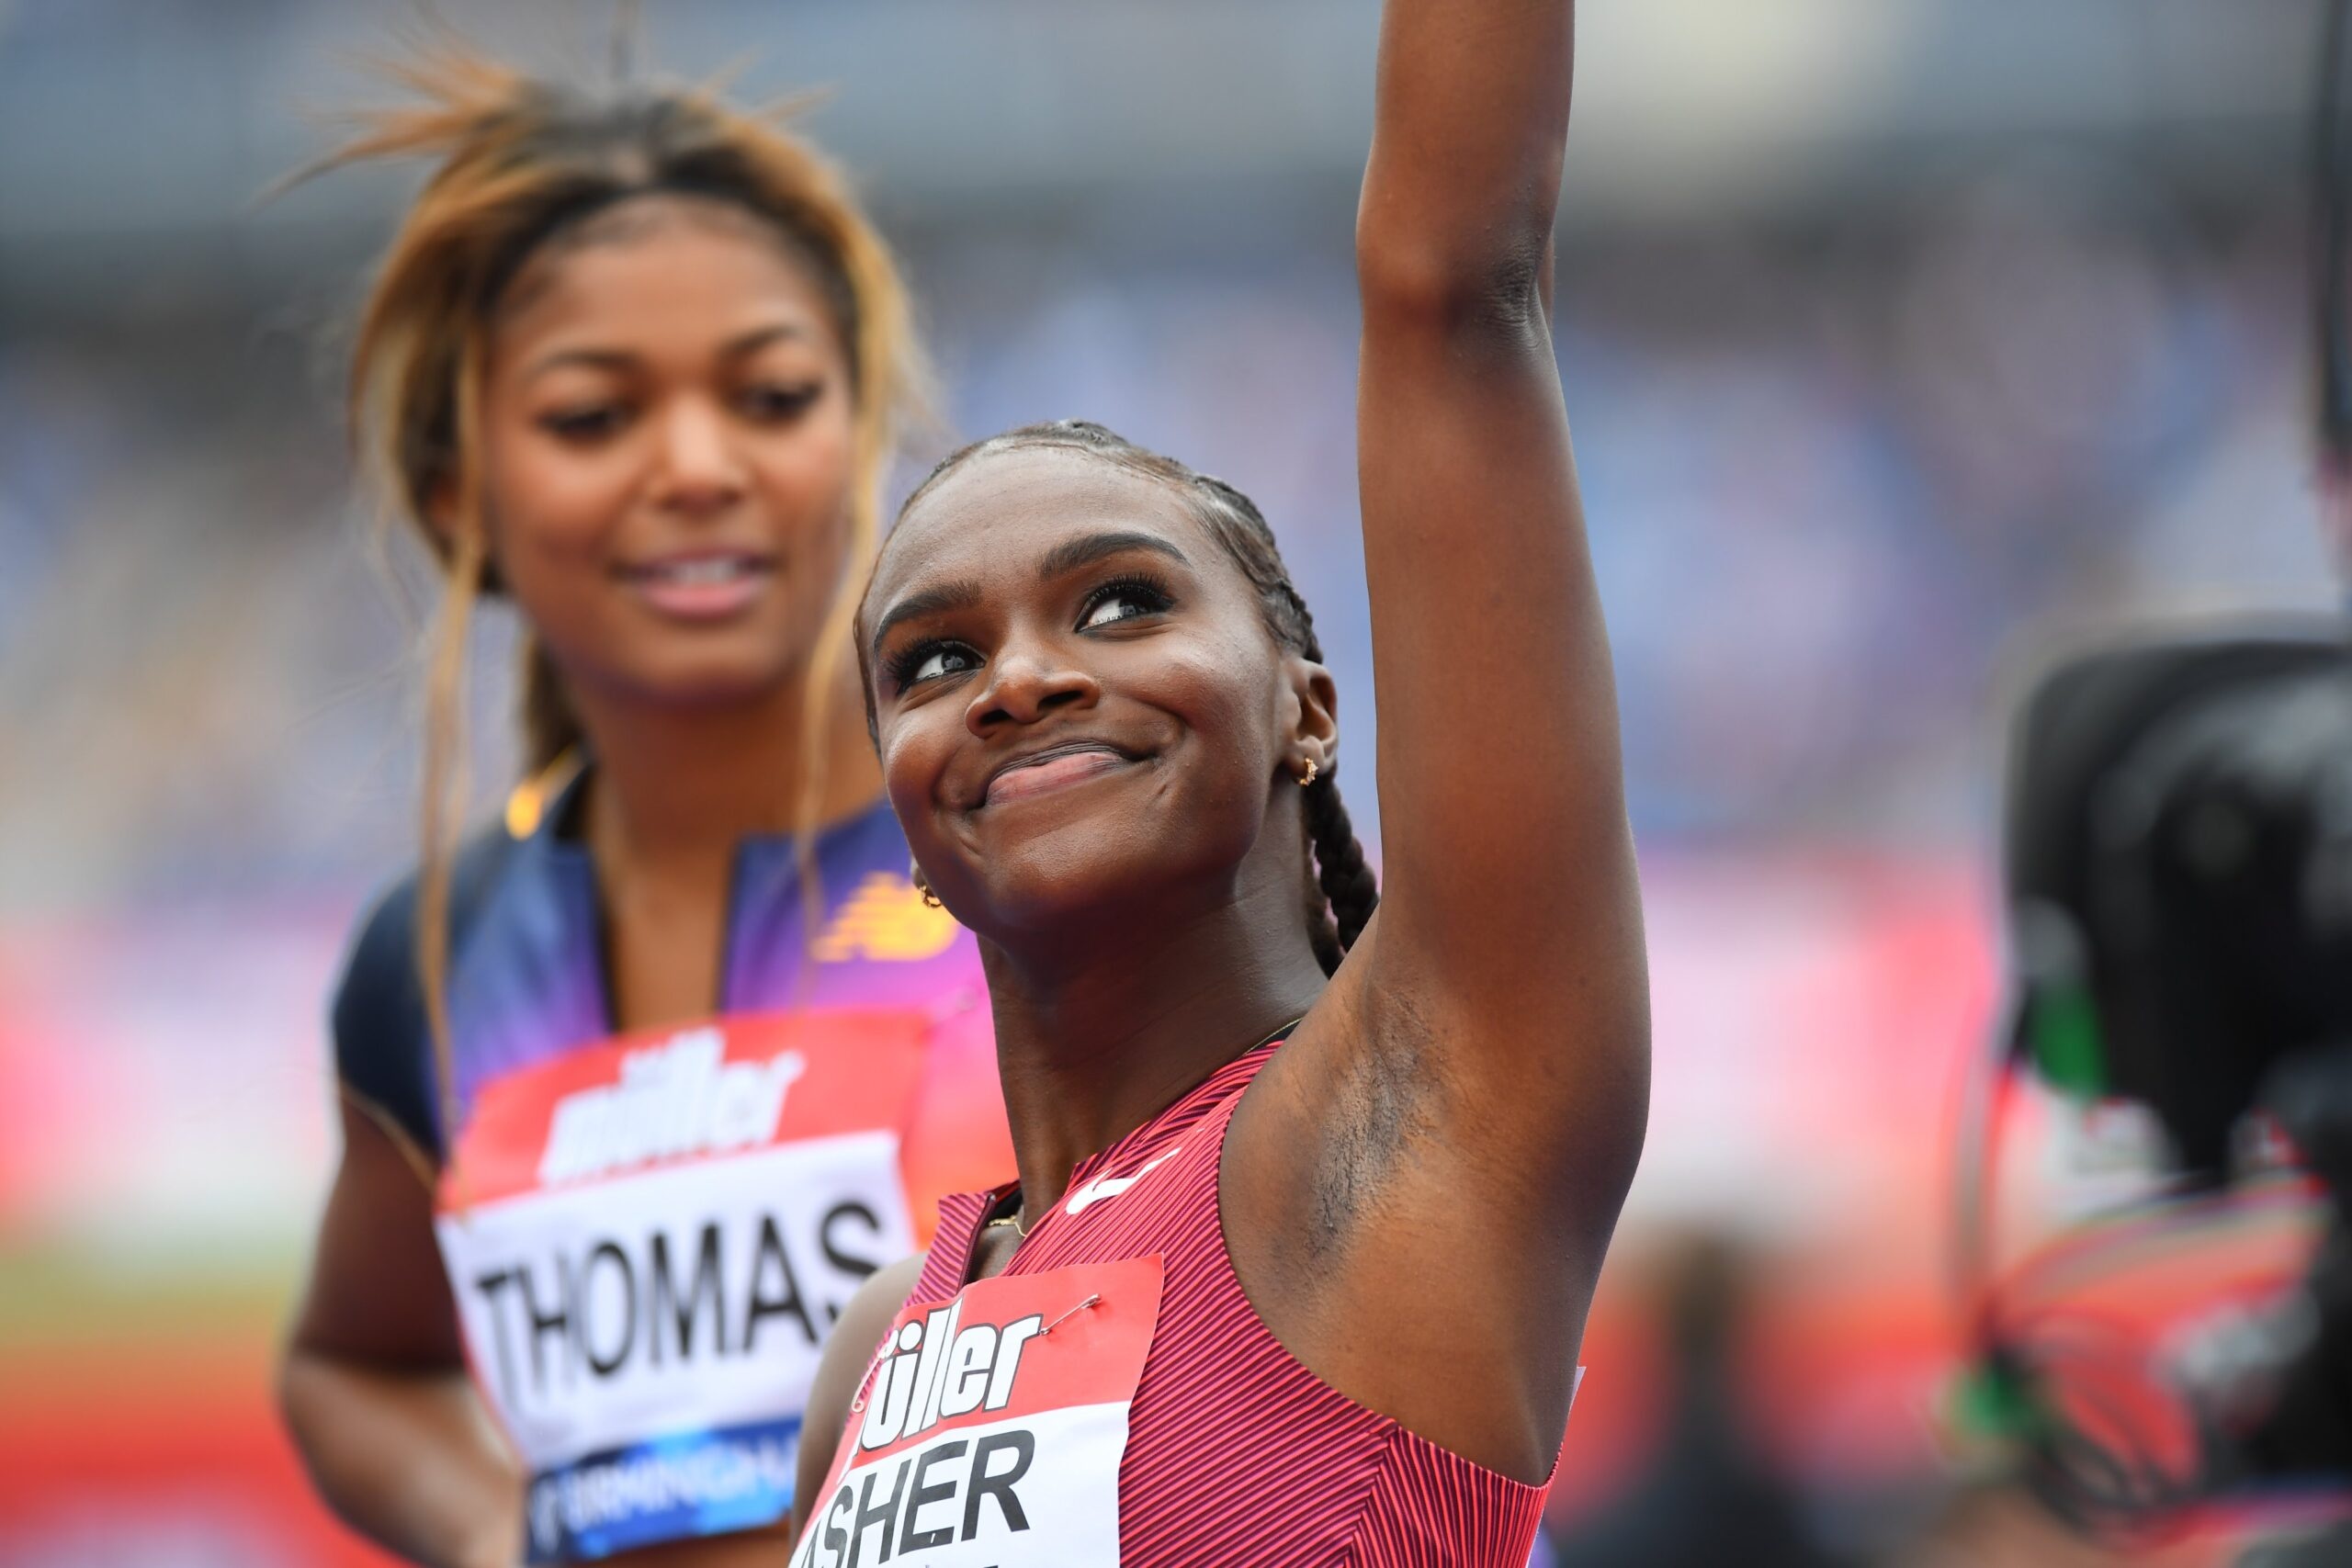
[
  {"x": 1187, "y": 1108},
  {"x": 555, "y": 845},
  {"x": 553, "y": 825}
]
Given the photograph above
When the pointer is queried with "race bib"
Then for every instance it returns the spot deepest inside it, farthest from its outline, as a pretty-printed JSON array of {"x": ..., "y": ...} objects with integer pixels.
[
  {"x": 649, "y": 1241},
  {"x": 990, "y": 1427}
]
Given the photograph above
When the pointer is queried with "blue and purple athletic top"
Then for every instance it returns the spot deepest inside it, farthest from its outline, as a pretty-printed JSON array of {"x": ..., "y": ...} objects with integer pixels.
[{"x": 648, "y": 1235}]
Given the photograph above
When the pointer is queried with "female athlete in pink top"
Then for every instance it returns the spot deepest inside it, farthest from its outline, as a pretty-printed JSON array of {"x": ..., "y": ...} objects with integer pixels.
[{"x": 1316, "y": 1303}]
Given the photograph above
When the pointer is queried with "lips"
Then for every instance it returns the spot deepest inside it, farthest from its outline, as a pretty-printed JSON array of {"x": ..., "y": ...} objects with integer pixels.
[
  {"x": 708, "y": 585},
  {"x": 1055, "y": 768}
]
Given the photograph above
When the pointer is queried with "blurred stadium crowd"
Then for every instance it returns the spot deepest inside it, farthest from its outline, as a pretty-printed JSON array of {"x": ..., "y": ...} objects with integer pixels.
[{"x": 1834, "y": 472}]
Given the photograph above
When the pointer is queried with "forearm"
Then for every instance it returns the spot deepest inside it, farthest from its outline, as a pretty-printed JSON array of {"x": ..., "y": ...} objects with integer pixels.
[
  {"x": 1469, "y": 130},
  {"x": 409, "y": 1460}
]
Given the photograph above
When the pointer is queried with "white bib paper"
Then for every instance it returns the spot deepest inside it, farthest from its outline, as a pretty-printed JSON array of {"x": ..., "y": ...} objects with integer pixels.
[{"x": 649, "y": 1242}]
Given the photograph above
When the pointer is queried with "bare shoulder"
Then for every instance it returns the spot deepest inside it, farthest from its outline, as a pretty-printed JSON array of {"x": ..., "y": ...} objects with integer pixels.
[{"x": 847, "y": 1353}]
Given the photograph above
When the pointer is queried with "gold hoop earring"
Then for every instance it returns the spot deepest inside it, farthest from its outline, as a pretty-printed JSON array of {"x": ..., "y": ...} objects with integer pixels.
[
  {"x": 930, "y": 900},
  {"x": 1313, "y": 768}
]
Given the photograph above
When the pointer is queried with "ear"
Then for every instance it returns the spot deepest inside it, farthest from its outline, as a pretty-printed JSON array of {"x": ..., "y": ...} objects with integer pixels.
[
  {"x": 1311, "y": 713},
  {"x": 441, "y": 522},
  {"x": 441, "y": 513}
]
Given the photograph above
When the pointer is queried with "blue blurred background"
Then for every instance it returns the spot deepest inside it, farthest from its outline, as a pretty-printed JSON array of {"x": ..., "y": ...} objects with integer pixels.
[{"x": 1903, "y": 340}]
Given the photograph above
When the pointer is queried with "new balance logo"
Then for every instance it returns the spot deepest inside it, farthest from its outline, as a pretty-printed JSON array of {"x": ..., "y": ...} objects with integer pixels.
[{"x": 886, "y": 919}]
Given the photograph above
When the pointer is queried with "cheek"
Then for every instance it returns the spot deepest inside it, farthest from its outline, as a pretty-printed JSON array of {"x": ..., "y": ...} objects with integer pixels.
[
  {"x": 913, "y": 755},
  {"x": 806, "y": 479},
  {"x": 551, "y": 505},
  {"x": 1219, "y": 688},
  {"x": 806, "y": 475}
]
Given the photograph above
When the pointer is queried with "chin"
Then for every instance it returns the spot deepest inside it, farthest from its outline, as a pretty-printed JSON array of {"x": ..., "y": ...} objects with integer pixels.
[
  {"x": 708, "y": 681},
  {"x": 1070, "y": 879}
]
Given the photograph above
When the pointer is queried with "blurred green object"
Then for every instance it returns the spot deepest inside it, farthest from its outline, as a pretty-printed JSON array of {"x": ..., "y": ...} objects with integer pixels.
[
  {"x": 1997, "y": 1399},
  {"x": 2065, "y": 1041}
]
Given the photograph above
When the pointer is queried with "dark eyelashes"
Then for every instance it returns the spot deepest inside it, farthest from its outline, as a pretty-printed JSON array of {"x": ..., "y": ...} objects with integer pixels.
[
  {"x": 585, "y": 424},
  {"x": 1148, "y": 591},
  {"x": 774, "y": 400},
  {"x": 900, "y": 667},
  {"x": 1149, "y": 594},
  {"x": 766, "y": 401}
]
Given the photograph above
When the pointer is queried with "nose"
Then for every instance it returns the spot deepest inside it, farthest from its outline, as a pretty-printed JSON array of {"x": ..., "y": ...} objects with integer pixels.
[
  {"x": 697, "y": 468},
  {"x": 1025, "y": 686}
]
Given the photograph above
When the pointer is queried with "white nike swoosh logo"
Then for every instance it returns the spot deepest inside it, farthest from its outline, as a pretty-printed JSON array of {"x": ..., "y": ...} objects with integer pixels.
[{"x": 1104, "y": 1187}]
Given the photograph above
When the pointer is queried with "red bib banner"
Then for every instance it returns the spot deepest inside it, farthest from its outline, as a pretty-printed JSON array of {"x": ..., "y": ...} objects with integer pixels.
[{"x": 990, "y": 1427}]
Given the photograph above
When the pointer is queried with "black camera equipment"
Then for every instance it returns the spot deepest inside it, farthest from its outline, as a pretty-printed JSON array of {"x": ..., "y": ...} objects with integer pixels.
[
  {"x": 2178, "y": 861},
  {"x": 2179, "y": 871}
]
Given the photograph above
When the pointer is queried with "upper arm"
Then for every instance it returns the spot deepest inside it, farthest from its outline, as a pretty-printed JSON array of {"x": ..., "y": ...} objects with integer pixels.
[
  {"x": 1510, "y": 914},
  {"x": 379, "y": 1291},
  {"x": 849, "y": 1352}
]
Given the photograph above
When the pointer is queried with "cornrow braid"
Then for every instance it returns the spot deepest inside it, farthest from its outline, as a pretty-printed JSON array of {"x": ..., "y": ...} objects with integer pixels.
[{"x": 1341, "y": 891}]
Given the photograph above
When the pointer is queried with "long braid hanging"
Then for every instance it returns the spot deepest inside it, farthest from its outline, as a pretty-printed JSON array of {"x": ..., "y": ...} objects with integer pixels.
[
  {"x": 1321, "y": 933},
  {"x": 1350, "y": 892},
  {"x": 1347, "y": 881},
  {"x": 1344, "y": 893},
  {"x": 1340, "y": 893}
]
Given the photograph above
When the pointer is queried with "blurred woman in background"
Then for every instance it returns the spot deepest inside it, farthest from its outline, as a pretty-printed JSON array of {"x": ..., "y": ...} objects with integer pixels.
[{"x": 638, "y": 1087}]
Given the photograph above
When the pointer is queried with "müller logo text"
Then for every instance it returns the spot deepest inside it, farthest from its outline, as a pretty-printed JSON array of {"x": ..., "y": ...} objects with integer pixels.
[
  {"x": 934, "y": 1368},
  {"x": 680, "y": 1098}
]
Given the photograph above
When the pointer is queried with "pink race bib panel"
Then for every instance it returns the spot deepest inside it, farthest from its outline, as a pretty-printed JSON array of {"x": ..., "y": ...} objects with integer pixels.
[{"x": 990, "y": 1427}]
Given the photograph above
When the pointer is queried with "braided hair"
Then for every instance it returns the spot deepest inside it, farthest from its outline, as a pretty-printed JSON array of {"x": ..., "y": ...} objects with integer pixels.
[{"x": 1339, "y": 892}]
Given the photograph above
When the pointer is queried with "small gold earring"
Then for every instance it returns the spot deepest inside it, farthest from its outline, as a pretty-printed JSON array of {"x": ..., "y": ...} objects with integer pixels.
[
  {"x": 1313, "y": 768},
  {"x": 922, "y": 884}
]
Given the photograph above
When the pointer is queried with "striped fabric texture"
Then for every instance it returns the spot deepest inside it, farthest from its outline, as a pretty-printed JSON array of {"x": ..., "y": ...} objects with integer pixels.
[{"x": 1236, "y": 1453}]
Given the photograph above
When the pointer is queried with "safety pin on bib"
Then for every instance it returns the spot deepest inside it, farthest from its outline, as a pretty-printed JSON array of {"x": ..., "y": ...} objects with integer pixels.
[
  {"x": 1095, "y": 1299},
  {"x": 866, "y": 1383}
]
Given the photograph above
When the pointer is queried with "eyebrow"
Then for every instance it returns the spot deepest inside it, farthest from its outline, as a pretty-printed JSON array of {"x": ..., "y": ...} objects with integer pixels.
[
  {"x": 739, "y": 347},
  {"x": 1088, "y": 548},
  {"x": 760, "y": 337},
  {"x": 1067, "y": 556},
  {"x": 936, "y": 600}
]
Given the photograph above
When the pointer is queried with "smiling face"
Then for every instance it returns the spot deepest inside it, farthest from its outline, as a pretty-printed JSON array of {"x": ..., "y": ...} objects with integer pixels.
[
  {"x": 667, "y": 452},
  {"x": 1077, "y": 700}
]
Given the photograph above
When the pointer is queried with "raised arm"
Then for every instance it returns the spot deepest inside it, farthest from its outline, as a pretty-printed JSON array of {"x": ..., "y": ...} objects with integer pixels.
[
  {"x": 1511, "y": 920},
  {"x": 1437, "y": 1160}
]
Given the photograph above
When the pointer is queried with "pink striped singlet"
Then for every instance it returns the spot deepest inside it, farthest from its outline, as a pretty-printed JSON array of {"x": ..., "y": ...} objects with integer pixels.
[{"x": 1112, "y": 1398}]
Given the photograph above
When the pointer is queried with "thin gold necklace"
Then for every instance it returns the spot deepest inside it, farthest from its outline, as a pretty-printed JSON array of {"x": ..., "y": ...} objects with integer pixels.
[{"x": 1020, "y": 1231}]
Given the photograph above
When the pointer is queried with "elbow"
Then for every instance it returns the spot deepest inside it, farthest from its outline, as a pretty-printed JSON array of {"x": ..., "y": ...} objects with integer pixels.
[
  {"x": 1494, "y": 287},
  {"x": 307, "y": 1409},
  {"x": 1461, "y": 250},
  {"x": 303, "y": 1417},
  {"x": 298, "y": 1400}
]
